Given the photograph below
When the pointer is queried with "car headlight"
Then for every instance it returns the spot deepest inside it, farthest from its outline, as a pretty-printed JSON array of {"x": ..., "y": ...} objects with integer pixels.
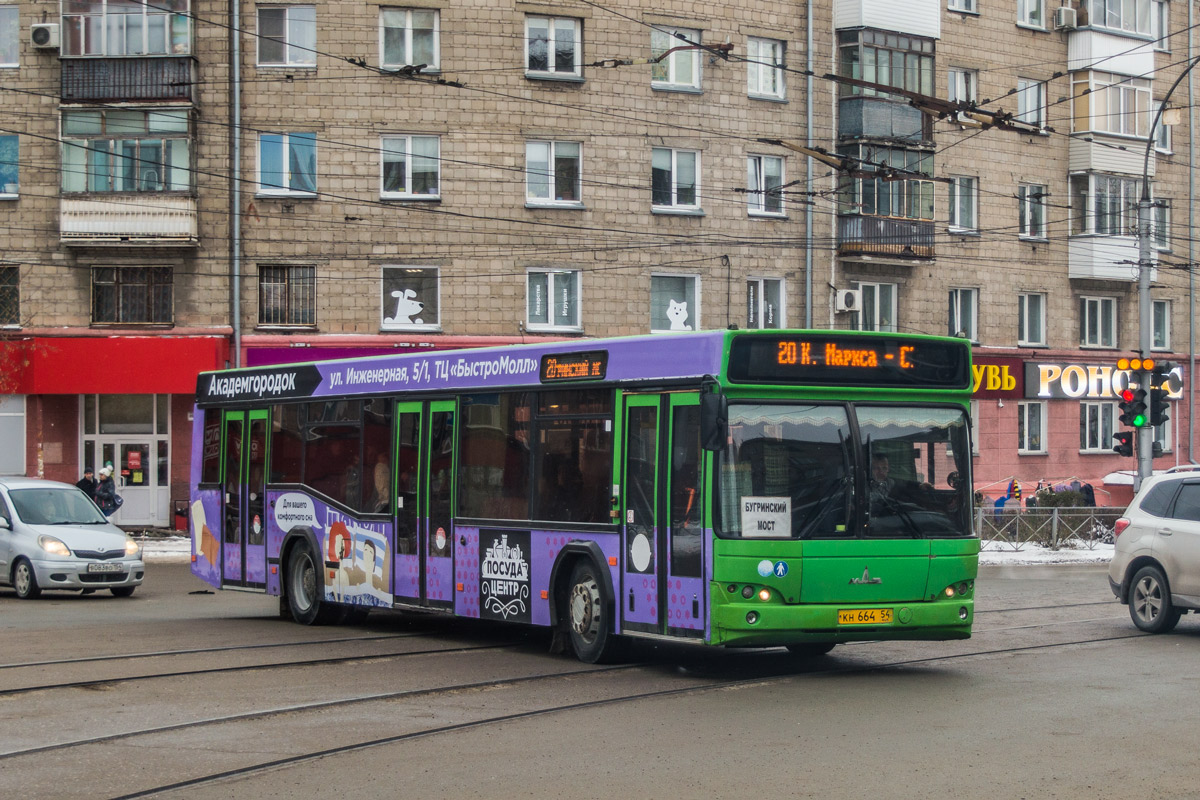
[
  {"x": 132, "y": 548},
  {"x": 53, "y": 546}
]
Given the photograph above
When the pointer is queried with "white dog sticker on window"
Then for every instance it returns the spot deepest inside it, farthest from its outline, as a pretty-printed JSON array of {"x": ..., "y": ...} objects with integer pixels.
[{"x": 407, "y": 307}]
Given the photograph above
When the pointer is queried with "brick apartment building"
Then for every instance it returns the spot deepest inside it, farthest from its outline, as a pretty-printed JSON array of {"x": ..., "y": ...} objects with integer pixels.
[{"x": 374, "y": 178}]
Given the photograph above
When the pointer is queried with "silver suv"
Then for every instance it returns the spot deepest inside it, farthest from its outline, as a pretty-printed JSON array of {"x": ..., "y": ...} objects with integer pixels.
[{"x": 1155, "y": 567}]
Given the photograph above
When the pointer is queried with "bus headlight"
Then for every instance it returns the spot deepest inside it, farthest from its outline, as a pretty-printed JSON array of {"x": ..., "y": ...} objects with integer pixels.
[
  {"x": 747, "y": 592},
  {"x": 752, "y": 617}
]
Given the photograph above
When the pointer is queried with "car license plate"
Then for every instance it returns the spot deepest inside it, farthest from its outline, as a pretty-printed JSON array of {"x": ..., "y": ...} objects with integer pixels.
[
  {"x": 105, "y": 568},
  {"x": 865, "y": 616}
]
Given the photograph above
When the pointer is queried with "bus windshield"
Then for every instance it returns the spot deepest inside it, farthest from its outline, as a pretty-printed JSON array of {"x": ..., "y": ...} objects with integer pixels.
[{"x": 789, "y": 471}]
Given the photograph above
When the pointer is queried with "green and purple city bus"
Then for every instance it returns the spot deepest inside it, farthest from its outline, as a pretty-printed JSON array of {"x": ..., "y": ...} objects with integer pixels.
[{"x": 736, "y": 488}]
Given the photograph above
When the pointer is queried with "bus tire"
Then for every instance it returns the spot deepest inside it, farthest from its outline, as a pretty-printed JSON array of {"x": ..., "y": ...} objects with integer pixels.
[
  {"x": 810, "y": 649},
  {"x": 305, "y": 588},
  {"x": 588, "y": 618}
]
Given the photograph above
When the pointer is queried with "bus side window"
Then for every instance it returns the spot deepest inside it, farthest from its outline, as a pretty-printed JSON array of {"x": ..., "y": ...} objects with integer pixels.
[{"x": 686, "y": 501}]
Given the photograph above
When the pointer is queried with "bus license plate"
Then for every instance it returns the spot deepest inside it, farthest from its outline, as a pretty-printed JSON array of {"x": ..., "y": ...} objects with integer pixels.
[
  {"x": 105, "y": 568},
  {"x": 865, "y": 616}
]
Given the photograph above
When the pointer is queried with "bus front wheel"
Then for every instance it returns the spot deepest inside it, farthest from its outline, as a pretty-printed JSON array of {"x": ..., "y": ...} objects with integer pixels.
[
  {"x": 304, "y": 589},
  {"x": 589, "y": 621}
]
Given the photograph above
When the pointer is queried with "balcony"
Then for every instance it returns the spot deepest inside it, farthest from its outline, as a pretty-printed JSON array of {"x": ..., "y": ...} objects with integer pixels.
[
  {"x": 159, "y": 220},
  {"x": 157, "y": 79},
  {"x": 885, "y": 236},
  {"x": 1106, "y": 258},
  {"x": 881, "y": 118}
]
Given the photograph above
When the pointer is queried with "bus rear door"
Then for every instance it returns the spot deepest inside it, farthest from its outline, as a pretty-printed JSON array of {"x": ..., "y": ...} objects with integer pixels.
[
  {"x": 663, "y": 534},
  {"x": 244, "y": 559}
]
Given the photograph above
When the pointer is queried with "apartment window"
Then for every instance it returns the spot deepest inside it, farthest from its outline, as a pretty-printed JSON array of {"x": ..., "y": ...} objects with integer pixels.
[
  {"x": 411, "y": 167},
  {"x": 1031, "y": 208},
  {"x": 287, "y": 163},
  {"x": 1031, "y": 426},
  {"x": 1162, "y": 136},
  {"x": 1131, "y": 16},
  {"x": 287, "y": 295},
  {"x": 764, "y": 185},
  {"x": 1031, "y": 102},
  {"x": 411, "y": 298},
  {"x": 553, "y": 173},
  {"x": 122, "y": 150},
  {"x": 909, "y": 198},
  {"x": 130, "y": 295},
  {"x": 287, "y": 36},
  {"x": 10, "y": 44},
  {"x": 10, "y": 182},
  {"x": 1162, "y": 224},
  {"x": 964, "y": 311},
  {"x": 1031, "y": 319},
  {"x": 964, "y": 199},
  {"x": 680, "y": 69},
  {"x": 10, "y": 296},
  {"x": 552, "y": 299},
  {"x": 1160, "y": 25},
  {"x": 125, "y": 28},
  {"x": 674, "y": 303},
  {"x": 1108, "y": 103},
  {"x": 409, "y": 37},
  {"x": 962, "y": 5},
  {"x": 1160, "y": 333},
  {"x": 1096, "y": 424},
  {"x": 1162, "y": 436},
  {"x": 878, "y": 307},
  {"x": 905, "y": 62},
  {"x": 764, "y": 68},
  {"x": 1031, "y": 13},
  {"x": 675, "y": 179},
  {"x": 552, "y": 47},
  {"x": 1104, "y": 204},
  {"x": 764, "y": 303},
  {"x": 1098, "y": 321},
  {"x": 963, "y": 85}
]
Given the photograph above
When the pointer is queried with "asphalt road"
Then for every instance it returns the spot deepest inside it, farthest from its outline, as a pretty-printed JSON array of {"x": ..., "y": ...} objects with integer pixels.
[{"x": 177, "y": 692}]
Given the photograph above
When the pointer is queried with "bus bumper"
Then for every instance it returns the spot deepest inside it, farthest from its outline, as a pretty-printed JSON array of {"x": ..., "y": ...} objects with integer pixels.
[{"x": 752, "y": 624}]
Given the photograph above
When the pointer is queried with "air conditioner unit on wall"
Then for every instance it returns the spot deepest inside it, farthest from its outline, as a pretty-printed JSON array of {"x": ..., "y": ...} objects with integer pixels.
[
  {"x": 848, "y": 300},
  {"x": 1064, "y": 19},
  {"x": 44, "y": 35}
]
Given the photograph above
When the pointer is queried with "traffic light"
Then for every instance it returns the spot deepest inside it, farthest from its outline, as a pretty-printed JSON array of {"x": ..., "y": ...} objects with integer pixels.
[
  {"x": 1124, "y": 443},
  {"x": 1133, "y": 407},
  {"x": 1159, "y": 387}
]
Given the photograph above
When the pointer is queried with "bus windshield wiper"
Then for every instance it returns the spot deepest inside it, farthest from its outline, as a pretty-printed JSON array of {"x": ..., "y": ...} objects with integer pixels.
[{"x": 904, "y": 516}]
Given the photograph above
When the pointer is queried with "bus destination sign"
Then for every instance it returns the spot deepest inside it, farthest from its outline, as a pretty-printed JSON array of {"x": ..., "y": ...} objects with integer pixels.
[
  {"x": 849, "y": 360},
  {"x": 589, "y": 366}
]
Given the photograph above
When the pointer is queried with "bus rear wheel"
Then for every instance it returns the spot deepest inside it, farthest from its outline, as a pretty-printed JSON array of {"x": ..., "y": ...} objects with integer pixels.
[
  {"x": 589, "y": 621},
  {"x": 304, "y": 589}
]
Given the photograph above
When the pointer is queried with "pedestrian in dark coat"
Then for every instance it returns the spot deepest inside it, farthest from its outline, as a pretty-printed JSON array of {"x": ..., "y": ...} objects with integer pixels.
[{"x": 87, "y": 483}]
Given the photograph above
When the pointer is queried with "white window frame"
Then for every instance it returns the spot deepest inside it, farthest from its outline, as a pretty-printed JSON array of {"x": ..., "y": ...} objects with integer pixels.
[
  {"x": 12, "y": 189},
  {"x": 1160, "y": 221},
  {"x": 692, "y": 322},
  {"x": 1098, "y": 313},
  {"x": 1118, "y": 105},
  {"x": 665, "y": 74},
  {"x": 964, "y": 186},
  {"x": 764, "y": 68},
  {"x": 391, "y": 144},
  {"x": 1031, "y": 14},
  {"x": 1026, "y": 312},
  {"x": 1104, "y": 414},
  {"x": 554, "y": 290},
  {"x": 1111, "y": 15},
  {"x": 757, "y": 308},
  {"x": 1031, "y": 439},
  {"x": 964, "y": 6},
  {"x": 390, "y": 306},
  {"x": 962, "y": 84},
  {"x": 295, "y": 55},
  {"x": 285, "y": 150},
  {"x": 1160, "y": 25},
  {"x": 10, "y": 26},
  {"x": 409, "y": 59},
  {"x": 963, "y": 316},
  {"x": 675, "y": 206},
  {"x": 93, "y": 30},
  {"x": 1162, "y": 137},
  {"x": 1160, "y": 325},
  {"x": 1109, "y": 207},
  {"x": 552, "y": 148},
  {"x": 13, "y": 406},
  {"x": 1031, "y": 102},
  {"x": 882, "y": 319},
  {"x": 758, "y": 193},
  {"x": 1031, "y": 211},
  {"x": 552, "y": 27}
]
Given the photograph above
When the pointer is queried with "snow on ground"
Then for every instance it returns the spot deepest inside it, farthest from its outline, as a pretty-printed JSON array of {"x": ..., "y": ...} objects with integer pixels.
[{"x": 177, "y": 549}]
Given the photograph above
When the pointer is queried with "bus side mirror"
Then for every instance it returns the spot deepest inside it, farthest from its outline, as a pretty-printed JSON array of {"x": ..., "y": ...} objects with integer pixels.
[{"x": 714, "y": 419}]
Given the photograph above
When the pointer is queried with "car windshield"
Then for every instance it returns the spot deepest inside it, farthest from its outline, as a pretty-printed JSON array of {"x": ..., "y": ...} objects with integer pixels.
[{"x": 54, "y": 506}]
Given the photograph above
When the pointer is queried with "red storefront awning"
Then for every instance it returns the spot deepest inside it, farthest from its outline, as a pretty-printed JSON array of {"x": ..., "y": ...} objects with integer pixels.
[{"x": 108, "y": 365}]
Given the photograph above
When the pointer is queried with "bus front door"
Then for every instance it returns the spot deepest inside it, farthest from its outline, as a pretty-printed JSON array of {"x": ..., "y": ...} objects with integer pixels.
[
  {"x": 663, "y": 534},
  {"x": 424, "y": 564},
  {"x": 244, "y": 532}
]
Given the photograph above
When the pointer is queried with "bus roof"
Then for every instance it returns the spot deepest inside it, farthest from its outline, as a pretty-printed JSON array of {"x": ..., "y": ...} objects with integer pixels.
[{"x": 658, "y": 358}]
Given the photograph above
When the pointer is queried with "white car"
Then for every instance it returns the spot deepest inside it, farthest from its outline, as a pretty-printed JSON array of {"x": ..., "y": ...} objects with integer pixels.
[
  {"x": 1155, "y": 566},
  {"x": 52, "y": 536}
]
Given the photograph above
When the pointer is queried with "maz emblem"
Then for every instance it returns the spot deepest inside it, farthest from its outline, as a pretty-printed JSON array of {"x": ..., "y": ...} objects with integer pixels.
[{"x": 866, "y": 578}]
